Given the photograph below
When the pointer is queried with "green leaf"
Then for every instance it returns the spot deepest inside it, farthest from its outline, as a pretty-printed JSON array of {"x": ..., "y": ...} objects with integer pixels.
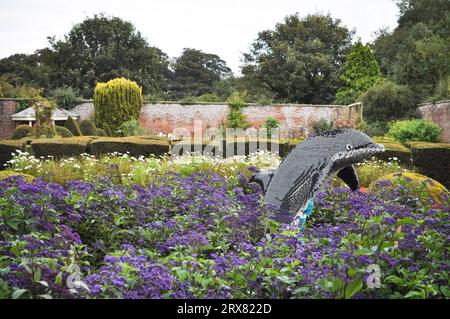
[
  {"x": 58, "y": 279},
  {"x": 445, "y": 291},
  {"x": 46, "y": 296},
  {"x": 363, "y": 251},
  {"x": 353, "y": 287},
  {"x": 253, "y": 276},
  {"x": 37, "y": 275},
  {"x": 301, "y": 290},
  {"x": 19, "y": 293},
  {"x": 182, "y": 274},
  {"x": 406, "y": 220}
]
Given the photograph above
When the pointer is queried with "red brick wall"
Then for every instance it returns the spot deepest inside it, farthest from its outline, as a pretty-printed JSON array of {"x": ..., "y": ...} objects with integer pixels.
[
  {"x": 7, "y": 109},
  {"x": 295, "y": 120},
  {"x": 439, "y": 113}
]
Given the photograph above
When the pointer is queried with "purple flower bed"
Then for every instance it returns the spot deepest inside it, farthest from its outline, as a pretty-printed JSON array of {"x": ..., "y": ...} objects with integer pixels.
[{"x": 202, "y": 236}]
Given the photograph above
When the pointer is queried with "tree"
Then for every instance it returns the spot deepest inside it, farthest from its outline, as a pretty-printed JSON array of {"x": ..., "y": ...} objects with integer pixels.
[
  {"x": 102, "y": 48},
  {"x": 361, "y": 71},
  {"x": 416, "y": 52},
  {"x": 23, "y": 75},
  {"x": 116, "y": 102},
  {"x": 196, "y": 73},
  {"x": 388, "y": 101},
  {"x": 301, "y": 59}
]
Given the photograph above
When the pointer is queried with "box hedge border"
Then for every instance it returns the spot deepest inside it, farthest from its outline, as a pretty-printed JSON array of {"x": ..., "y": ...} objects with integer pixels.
[
  {"x": 132, "y": 145},
  {"x": 432, "y": 160},
  {"x": 9, "y": 147}
]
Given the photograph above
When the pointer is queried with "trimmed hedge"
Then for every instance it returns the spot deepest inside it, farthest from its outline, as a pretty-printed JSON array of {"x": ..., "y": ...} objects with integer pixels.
[
  {"x": 402, "y": 153},
  {"x": 135, "y": 146},
  {"x": 22, "y": 131},
  {"x": 432, "y": 160},
  {"x": 432, "y": 187},
  {"x": 7, "y": 148},
  {"x": 220, "y": 149},
  {"x": 63, "y": 132},
  {"x": 60, "y": 147},
  {"x": 6, "y": 174}
]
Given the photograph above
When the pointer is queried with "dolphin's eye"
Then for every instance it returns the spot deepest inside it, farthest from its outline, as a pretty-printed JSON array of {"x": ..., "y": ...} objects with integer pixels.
[{"x": 348, "y": 147}]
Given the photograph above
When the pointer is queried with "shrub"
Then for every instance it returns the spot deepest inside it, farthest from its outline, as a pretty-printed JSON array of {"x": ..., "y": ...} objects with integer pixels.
[
  {"x": 187, "y": 100},
  {"x": 58, "y": 148},
  {"x": 130, "y": 128},
  {"x": 88, "y": 128},
  {"x": 66, "y": 97},
  {"x": 72, "y": 126},
  {"x": 432, "y": 159},
  {"x": 235, "y": 118},
  {"x": 133, "y": 146},
  {"x": 22, "y": 131},
  {"x": 415, "y": 130},
  {"x": 388, "y": 101},
  {"x": 375, "y": 129},
  {"x": 6, "y": 174},
  {"x": 116, "y": 102},
  {"x": 63, "y": 132},
  {"x": 271, "y": 123},
  {"x": 7, "y": 148},
  {"x": 208, "y": 97},
  {"x": 322, "y": 125}
]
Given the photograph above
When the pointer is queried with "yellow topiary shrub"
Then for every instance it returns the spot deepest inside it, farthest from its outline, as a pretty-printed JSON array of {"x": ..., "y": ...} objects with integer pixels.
[
  {"x": 116, "y": 102},
  {"x": 6, "y": 174},
  {"x": 418, "y": 182}
]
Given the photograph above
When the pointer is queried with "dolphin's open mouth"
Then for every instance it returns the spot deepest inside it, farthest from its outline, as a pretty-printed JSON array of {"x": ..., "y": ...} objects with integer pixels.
[
  {"x": 358, "y": 153},
  {"x": 344, "y": 161}
]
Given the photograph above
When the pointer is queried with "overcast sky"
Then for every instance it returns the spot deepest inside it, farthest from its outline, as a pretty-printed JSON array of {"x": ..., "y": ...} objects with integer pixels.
[{"x": 223, "y": 27}]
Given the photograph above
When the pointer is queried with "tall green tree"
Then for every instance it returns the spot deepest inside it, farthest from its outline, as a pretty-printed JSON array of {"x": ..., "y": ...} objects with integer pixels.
[
  {"x": 20, "y": 70},
  {"x": 102, "y": 48},
  {"x": 415, "y": 53},
  {"x": 361, "y": 71},
  {"x": 301, "y": 59},
  {"x": 196, "y": 73}
]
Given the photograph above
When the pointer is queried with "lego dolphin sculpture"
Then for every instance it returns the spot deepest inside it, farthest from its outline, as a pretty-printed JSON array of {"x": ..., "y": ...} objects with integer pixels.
[{"x": 307, "y": 169}]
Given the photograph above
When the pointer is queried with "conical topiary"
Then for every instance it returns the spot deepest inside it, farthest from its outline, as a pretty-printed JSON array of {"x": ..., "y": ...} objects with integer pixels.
[
  {"x": 108, "y": 130},
  {"x": 88, "y": 128},
  {"x": 101, "y": 132},
  {"x": 72, "y": 126},
  {"x": 63, "y": 132}
]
